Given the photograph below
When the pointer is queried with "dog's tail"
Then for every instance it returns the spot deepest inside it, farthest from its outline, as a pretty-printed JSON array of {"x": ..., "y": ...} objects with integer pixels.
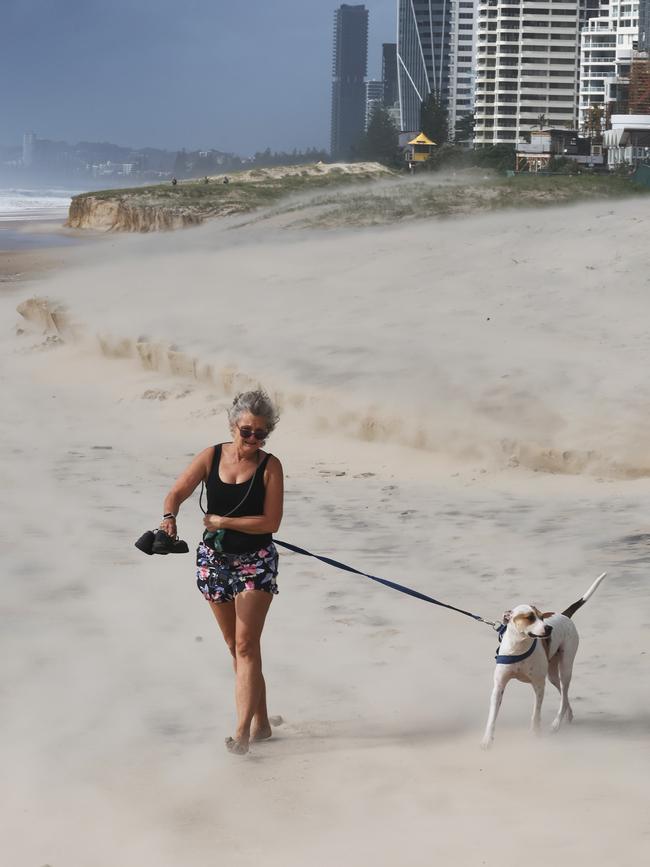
[{"x": 571, "y": 610}]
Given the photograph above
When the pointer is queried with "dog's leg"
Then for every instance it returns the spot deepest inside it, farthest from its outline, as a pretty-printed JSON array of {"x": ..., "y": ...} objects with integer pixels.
[
  {"x": 536, "y": 721},
  {"x": 495, "y": 703},
  {"x": 554, "y": 672},
  {"x": 565, "y": 669}
]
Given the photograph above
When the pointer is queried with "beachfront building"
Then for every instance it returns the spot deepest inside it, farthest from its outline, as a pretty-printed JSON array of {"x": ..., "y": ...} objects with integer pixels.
[
  {"x": 607, "y": 45},
  {"x": 526, "y": 67},
  {"x": 543, "y": 145},
  {"x": 644, "y": 25},
  {"x": 435, "y": 54},
  {"x": 639, "y": 93},
  {"x": 462, "y": 62},
  {"x": 389, "y": 73},
  {"x": 374, "y": 97},
  {"x": 389, "y": 77},
  {"x": 349, "y": 67},
  {"x": 627, "y": 140}
]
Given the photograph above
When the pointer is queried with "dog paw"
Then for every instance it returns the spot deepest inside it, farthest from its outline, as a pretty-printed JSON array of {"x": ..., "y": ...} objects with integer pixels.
[
  {"x": 486, "y": 743},
  {"x": 555, "y": 725}
]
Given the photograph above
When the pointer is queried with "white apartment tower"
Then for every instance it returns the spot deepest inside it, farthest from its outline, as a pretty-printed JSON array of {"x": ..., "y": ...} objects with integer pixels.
[
  {"x": 606, "y": 47},
  {"x": 462, "y": 60},
  {"x": 526, "y": 67}
]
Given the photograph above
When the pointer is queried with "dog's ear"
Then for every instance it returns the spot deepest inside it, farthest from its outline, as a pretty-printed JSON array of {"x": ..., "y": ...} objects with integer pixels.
[
  {"x": 547, "y": 614},
  {"x": 506, "y": 616}
]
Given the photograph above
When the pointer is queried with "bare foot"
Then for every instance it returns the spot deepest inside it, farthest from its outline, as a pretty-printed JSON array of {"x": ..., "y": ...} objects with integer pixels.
[
  {"x": 238, "y": 748},
  {"x": 262, "y": 734}
]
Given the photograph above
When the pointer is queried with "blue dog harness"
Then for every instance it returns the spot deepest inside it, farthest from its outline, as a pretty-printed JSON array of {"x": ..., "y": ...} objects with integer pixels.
[{"x": 505, "y": 659}]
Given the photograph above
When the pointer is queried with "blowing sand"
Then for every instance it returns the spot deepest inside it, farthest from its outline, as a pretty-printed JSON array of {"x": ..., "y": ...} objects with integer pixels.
[{"x": 464, "y": 411}]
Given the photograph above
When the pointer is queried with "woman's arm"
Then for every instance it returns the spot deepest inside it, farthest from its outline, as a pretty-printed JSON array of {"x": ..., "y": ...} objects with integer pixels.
[
  {"x": 269, "y": 522},
  {"x": 184, "y": 486}
]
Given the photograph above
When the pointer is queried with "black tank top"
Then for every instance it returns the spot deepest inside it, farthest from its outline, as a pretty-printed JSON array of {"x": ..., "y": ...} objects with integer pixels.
[{"x": 224, "y": 497}]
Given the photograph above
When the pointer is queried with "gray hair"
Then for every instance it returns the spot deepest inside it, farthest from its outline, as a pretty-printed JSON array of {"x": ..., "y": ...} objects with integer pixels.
[{"x": 256, "y": 403}]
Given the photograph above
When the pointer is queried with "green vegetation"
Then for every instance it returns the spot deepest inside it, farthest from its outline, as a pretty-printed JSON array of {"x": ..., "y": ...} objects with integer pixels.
[
  {"x": 464, "y": 130},
  {"x": 354, "y": 198},
  {"x": 433, "y": 120},
  {"x": 462, "y": 194},
  {"x": 244, "y": 192},
  {"x": 501, "y": 158},
  {"x": 380, "y": 142}
]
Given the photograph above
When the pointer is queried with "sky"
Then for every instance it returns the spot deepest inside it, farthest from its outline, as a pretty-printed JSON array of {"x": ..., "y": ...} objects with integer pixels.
[{"x": 235, "y": 75}]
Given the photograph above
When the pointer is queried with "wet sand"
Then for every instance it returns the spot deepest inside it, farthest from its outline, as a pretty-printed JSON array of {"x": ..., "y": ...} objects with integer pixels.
[{"x": 30, "y": 248}]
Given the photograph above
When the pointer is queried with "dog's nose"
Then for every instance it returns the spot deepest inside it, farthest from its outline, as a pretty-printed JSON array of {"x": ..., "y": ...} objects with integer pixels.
[{"x": 549, "y": 629}]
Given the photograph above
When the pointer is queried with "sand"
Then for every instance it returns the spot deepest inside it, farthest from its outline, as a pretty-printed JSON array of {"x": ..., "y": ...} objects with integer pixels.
[{"x": 464, "y": 411}]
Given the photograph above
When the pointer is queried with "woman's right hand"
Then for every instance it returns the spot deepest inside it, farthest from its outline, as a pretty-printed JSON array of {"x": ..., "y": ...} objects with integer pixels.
[{"x": 169, "y": 526}]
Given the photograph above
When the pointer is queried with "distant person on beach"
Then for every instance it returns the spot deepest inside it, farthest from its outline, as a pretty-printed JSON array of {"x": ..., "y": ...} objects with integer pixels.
[
  {"x": 206, "y": 180},
  {"x": 237, "y": 562},
  {"x": 174, "y": 182},
  {"x": 226, "y": 179}
]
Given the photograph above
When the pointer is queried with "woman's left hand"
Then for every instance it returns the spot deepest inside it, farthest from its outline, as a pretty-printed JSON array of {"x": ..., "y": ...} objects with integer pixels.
[{"x": 213, "y": 522}]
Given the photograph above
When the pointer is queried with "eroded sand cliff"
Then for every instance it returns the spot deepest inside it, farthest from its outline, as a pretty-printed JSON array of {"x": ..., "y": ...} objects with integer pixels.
[{"x": 164, "y": 207}]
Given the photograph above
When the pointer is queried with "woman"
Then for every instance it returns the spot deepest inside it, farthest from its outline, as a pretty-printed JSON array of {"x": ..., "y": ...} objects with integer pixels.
[{"x": 237, "y": 562}]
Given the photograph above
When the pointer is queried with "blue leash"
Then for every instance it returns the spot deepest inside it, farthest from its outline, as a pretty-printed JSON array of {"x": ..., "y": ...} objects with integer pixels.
[{"x": 400, "y": 587}]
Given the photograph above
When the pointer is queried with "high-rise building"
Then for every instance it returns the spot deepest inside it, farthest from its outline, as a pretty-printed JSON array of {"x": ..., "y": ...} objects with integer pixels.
[
  {"x": 435, "y": 54},
  {"x": 389, "y": 73},
  {"x": 607, "y": 45},
  {"x": 349, "y": 67},
  {"x": 374, "y": 97},
  {"x": 639, "y": 94},
  {"x": 462, "y": 61},
  {"x": 590, "y": 9},
  {"x": 644, "y": 25},
  {"x": 526, "y": 67}
]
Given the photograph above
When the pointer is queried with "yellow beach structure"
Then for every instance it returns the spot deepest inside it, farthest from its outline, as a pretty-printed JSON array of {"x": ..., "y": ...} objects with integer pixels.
[{"x": 419, "y": 149}]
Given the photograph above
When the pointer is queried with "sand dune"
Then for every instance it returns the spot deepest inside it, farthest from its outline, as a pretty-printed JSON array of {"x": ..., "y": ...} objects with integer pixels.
[
  {"x": 512, "y": 324},
  {"x": 464, "y": 411}
]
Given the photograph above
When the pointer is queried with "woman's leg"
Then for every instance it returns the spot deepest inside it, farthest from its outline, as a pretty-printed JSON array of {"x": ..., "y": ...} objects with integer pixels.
[
  {"x": 261, "y": 727},
  {"x": 251, "y": 607},
  {"x": 224, "y": 613}
]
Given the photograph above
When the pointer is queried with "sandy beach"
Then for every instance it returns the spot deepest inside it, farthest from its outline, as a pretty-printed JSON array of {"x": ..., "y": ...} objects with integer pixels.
[
  {"x": 464, "y": 410},
  {"x": 32, "y": 247}
]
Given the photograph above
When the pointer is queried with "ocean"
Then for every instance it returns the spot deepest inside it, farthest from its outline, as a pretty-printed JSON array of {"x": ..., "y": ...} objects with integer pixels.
[{"x": 25, "y": 206}]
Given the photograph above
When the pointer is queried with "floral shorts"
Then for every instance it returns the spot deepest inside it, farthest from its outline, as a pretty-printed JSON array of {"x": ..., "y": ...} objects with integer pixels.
[{"x": 220, "y": 576}]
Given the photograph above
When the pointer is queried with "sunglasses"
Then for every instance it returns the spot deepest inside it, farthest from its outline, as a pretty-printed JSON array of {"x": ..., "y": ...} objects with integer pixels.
[{"x": 248, "y": 432}]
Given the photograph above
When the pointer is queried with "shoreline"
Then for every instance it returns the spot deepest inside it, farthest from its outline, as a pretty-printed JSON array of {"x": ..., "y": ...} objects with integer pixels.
[
  {"x": 17, "y": 266},
  {"x": 32, "y": 248}
]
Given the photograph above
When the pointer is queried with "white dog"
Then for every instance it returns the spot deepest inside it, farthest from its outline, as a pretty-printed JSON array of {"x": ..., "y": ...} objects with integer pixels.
[{"x": 534, "y": 645}]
